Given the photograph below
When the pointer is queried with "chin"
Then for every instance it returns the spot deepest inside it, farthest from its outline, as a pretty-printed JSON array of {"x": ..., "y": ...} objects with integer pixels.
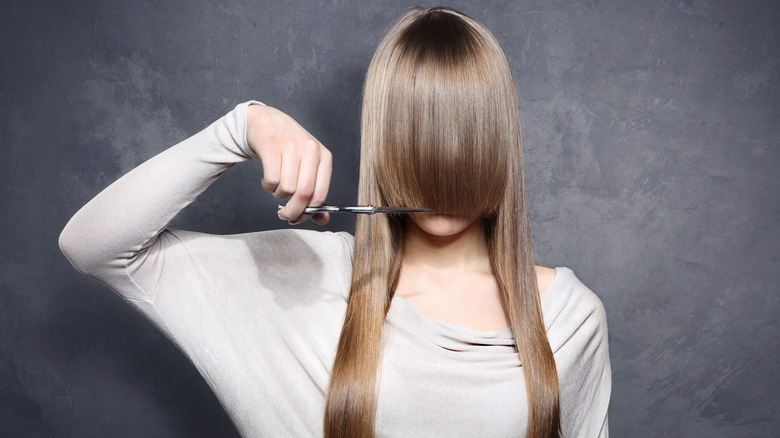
[{"x": 441, "y": 224}]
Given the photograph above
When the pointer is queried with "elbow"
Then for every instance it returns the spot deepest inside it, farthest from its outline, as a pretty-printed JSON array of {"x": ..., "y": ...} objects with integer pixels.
[
  {"x": 68, "y": 242},
  {"x": 75, "y": 245}
]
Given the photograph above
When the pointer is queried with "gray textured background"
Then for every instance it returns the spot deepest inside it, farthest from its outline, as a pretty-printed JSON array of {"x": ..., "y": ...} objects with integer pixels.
[{"x": 652, "y": 135}]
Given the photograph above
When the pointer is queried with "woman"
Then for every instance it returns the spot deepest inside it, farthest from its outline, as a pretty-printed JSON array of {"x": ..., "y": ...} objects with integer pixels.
[{"x": 438, "y": 324}]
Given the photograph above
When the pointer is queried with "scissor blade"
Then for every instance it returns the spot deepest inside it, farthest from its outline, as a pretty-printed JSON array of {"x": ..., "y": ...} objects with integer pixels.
[{"x": 401, "y": 210}]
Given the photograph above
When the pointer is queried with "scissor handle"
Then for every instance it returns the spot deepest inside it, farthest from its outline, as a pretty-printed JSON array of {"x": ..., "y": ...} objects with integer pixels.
[
  {"x": 322, "y": 209},
  {"x": 368, "y": 209},
  {"x": 360, "y": 209}
]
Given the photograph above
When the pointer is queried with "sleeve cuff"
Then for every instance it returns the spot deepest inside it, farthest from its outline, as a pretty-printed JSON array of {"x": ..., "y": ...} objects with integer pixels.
[{"x": 240, "y": 114}]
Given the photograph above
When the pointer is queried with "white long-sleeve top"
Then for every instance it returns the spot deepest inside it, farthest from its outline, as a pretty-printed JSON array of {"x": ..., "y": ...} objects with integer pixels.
[{"x": 260, "y": 314}]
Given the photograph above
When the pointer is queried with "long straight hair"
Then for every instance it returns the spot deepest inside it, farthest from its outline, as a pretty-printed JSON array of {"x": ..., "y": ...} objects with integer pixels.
[{"x": 440, "y": 129}]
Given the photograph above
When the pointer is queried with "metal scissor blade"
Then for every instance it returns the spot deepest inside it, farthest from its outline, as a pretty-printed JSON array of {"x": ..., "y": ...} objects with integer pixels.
[{"x": 401, "y": 210}]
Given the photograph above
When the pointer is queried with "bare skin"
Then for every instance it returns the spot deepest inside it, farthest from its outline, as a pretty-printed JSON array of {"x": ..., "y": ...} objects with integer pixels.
[{"x": 445, "y": 273}]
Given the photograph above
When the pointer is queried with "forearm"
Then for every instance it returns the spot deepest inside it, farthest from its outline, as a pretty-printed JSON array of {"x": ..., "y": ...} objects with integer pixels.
[{"x": 124, "y": 220}]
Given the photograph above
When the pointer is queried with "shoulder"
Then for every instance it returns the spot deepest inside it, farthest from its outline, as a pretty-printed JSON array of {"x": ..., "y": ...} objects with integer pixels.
[
  {"x": 570, "y": 307},
  {"x": 544, "y": 277},
  {"x": 567, "y": 290},
  {"x": 328, "y": 243}
]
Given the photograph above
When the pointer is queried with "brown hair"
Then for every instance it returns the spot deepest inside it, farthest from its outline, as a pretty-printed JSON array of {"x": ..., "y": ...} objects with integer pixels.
[{"x": 440, "y": 129}]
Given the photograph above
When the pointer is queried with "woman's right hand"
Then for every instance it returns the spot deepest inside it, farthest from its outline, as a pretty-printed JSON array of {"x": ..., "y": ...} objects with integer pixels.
[{"x": 295, "y": 164}]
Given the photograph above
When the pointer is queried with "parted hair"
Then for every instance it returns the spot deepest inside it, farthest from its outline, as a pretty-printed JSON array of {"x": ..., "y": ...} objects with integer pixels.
[{"x": 440, "y": 129}]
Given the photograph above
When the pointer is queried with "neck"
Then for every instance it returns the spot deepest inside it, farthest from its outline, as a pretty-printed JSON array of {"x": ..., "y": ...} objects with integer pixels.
[{"x": 464, "y": 250}]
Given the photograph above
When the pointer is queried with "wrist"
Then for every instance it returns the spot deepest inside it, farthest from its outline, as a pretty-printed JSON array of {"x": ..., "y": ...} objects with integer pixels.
[{"x": 254, "y": 115}]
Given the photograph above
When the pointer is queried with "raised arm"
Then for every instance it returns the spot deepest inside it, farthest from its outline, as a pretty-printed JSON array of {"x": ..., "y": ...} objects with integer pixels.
[{"x": 121, "y": 223}]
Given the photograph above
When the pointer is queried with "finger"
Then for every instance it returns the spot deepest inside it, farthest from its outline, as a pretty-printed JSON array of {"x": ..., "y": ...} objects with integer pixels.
[
  {"x": 304, "y": 187},
  {"x": 272, "y": 168},
  {"x": 322, "y": 184},
  {"x": 302, "y": 218},
  {"x": 289, "y": 173},
  {"x": 321, "y": 218}
]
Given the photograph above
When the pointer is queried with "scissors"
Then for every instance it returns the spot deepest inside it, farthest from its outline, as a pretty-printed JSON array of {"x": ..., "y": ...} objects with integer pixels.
[{"x": 360, "y": 209}]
